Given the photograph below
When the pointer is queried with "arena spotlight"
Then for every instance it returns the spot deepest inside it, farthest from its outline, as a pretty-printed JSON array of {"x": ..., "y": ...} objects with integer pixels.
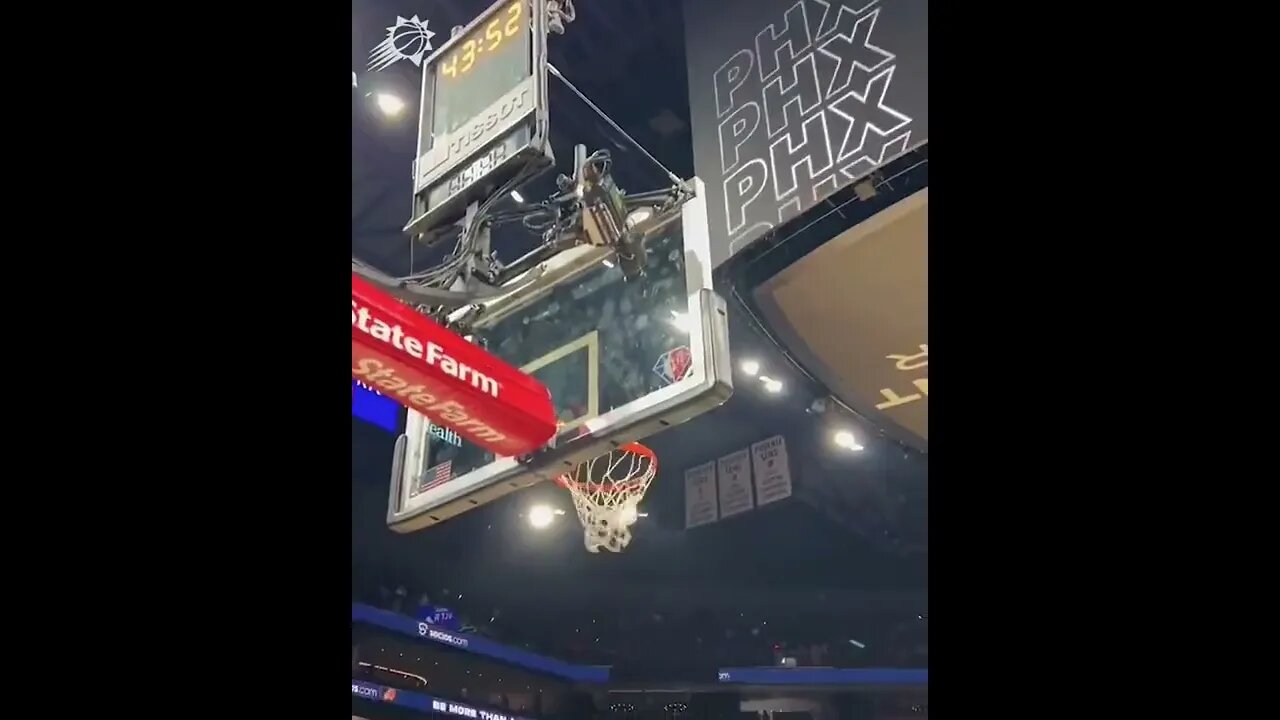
[
  {"x": 751, "y": 367},
  {"x": 389, "y": 104},
  {"x": 846, "y": 440},
  {"x": 541, "y": 516}
]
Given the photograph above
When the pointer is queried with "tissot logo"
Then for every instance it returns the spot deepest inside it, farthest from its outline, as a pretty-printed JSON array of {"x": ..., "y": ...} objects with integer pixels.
[{"x": 472, "y": 133}]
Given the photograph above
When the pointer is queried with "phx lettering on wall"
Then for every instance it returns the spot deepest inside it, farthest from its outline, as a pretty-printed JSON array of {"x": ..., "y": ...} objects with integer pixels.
[
  {"x": 821, "y": 104},
  {"x": 814, "y": 101}
]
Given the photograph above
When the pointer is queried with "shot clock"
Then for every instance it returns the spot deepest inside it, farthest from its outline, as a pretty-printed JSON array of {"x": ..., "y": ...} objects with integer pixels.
[
  {"x": 498, "y": 34},
  {"x": 483, "y": 111},
  {"x": 481, "y": 66}
]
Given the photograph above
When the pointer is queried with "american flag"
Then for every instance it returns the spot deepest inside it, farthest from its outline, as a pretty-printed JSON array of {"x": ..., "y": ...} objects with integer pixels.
[{"x": 437, "y": 475}]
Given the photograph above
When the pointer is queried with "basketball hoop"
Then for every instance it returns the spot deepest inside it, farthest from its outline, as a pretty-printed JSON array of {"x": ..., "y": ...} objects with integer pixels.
[{"x": 606, "y": 492}]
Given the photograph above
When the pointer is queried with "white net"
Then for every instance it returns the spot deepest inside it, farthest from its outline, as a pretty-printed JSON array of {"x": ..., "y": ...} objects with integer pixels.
[{"x": 607, "y": 491}]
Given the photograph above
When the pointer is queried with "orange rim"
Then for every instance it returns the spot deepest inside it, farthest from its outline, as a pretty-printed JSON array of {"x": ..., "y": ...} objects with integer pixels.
[{"x": 635, "y": 448}]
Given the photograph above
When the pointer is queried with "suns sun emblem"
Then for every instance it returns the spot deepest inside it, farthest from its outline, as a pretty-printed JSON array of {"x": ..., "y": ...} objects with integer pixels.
[{"x": 406, "y": 40}]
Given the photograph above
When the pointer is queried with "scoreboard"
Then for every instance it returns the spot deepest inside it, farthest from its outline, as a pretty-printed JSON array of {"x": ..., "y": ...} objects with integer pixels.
[{"x": 484, "y": 112}]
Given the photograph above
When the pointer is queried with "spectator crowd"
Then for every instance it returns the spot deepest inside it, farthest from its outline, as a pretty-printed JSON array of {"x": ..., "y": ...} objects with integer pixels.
[{"x": 609, "y": 636}]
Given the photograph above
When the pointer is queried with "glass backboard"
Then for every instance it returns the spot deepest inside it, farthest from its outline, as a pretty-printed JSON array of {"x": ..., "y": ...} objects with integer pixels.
[{"x": 623, "y": 360}]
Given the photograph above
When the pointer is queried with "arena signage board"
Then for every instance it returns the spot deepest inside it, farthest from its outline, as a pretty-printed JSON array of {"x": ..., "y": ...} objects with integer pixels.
[
  {"x": 435, "y": 706},
  {"x": 791, "y": 101},
  {"x": 825, "y": 676},
  {"x": 409, "y": 627},
  {"x": 372, "y": 407},
  {"x": 412, "y": 359}
]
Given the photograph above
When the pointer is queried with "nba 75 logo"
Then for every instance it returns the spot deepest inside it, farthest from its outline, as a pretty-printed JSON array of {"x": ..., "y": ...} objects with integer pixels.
[
  {"x": 406, "y": 40},
  {"x": 674, "y": 364}
]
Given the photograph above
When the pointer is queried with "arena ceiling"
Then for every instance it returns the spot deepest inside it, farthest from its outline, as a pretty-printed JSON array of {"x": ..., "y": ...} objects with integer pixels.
[{"x": 855, "y": 311}]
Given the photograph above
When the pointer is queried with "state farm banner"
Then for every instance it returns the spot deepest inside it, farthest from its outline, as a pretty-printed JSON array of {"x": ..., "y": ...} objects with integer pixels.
[
  {"x": 418, "y": 363},
  {"x": 791, "y": 101}
]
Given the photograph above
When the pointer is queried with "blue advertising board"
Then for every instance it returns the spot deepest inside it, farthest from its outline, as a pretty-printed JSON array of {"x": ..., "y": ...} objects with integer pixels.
[
  {"x": 425, "y": 703},
  {"x": 372, "y": 407},
  {"x": 918, "y": 677},
  {"x": 428, "y": 632},
  {"x": 441, "y": 617},
  {"x": 478, "y": 645}
]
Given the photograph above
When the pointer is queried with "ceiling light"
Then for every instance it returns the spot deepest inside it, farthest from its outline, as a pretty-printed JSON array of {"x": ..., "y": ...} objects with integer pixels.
[
  {"x": 540, "y": 516},
  {"x": 773, "y": 386},
  {"x": 750, "y": 367},
  {"x": 846, "y": 440},
  {"x": 389, "y": 104},
  {"x": 515, "y": 195}
]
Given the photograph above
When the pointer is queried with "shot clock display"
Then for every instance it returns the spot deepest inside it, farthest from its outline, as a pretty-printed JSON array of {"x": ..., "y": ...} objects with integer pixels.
[
  {"x": 480, "y": 67},
  {"x": 484, "y": 113}
]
